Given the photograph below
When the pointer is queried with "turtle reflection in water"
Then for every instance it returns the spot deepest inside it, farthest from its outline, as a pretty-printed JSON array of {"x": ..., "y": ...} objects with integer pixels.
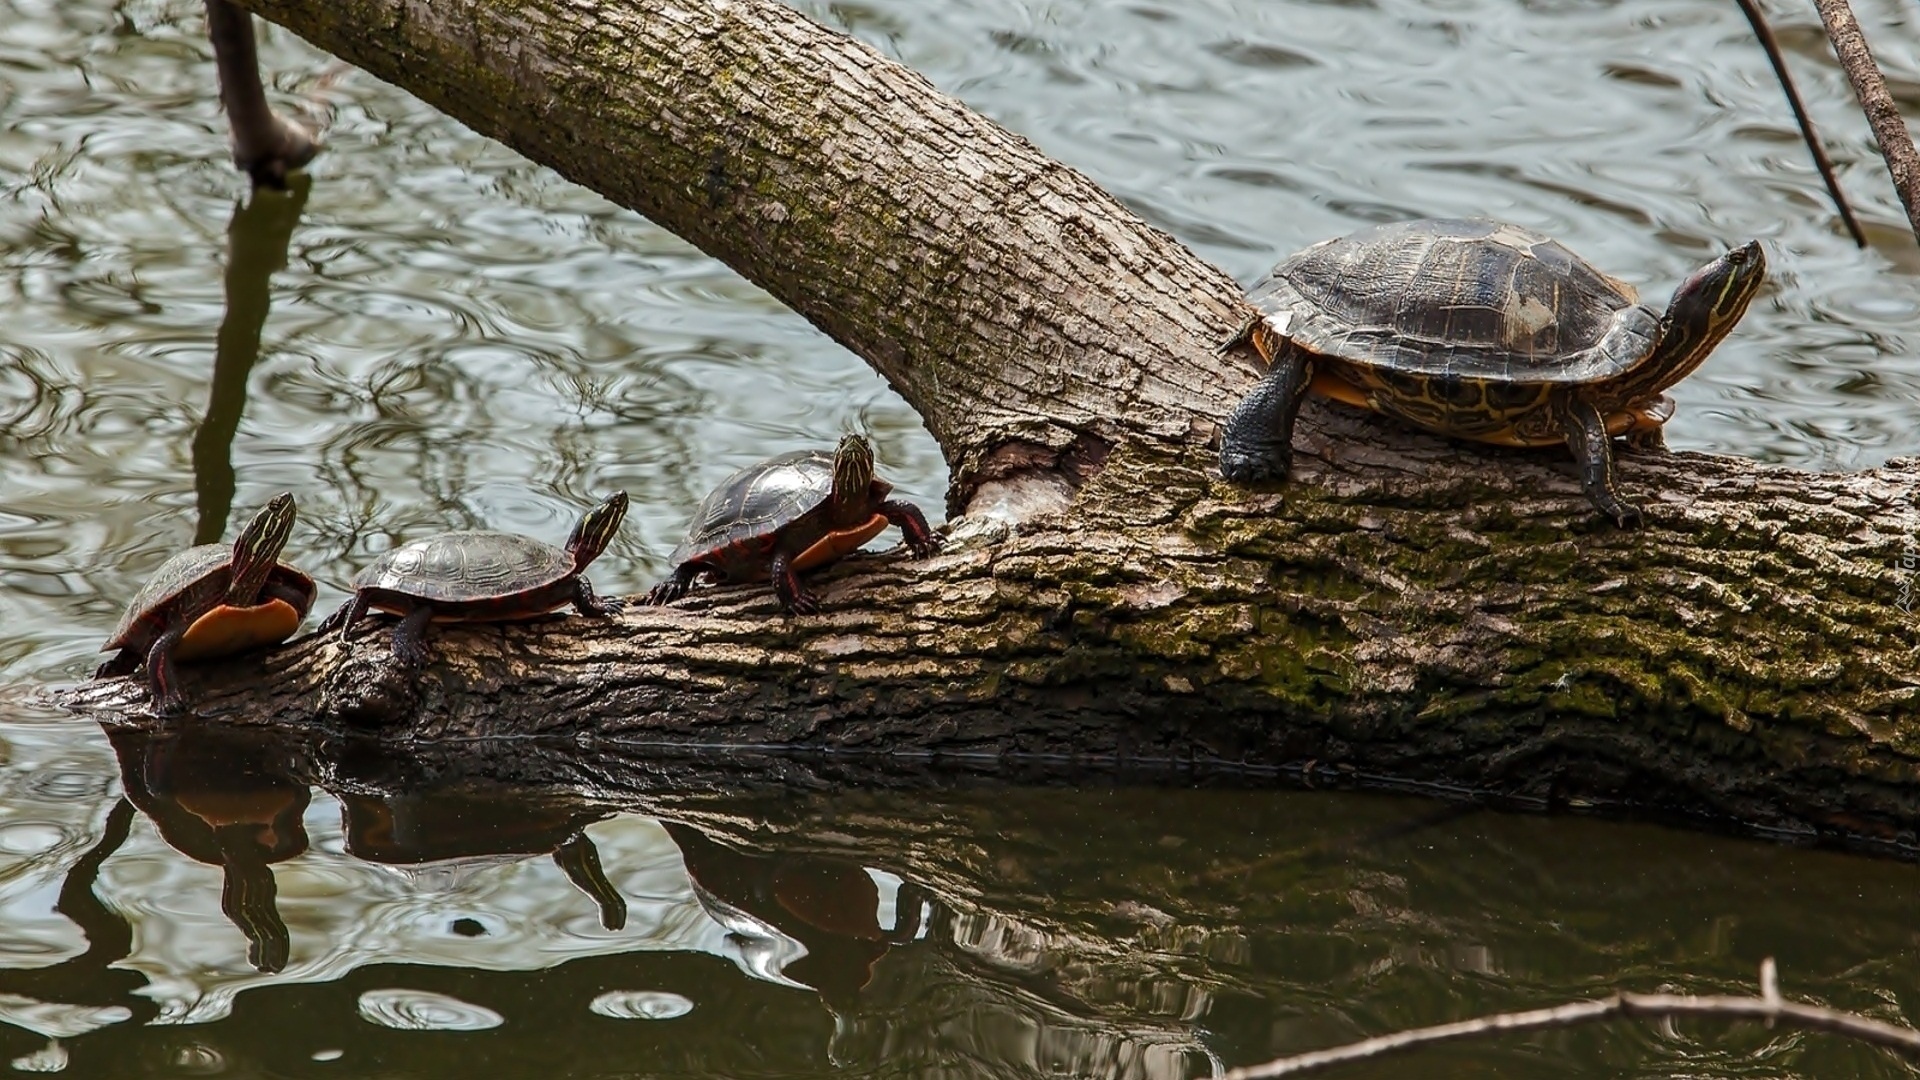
[
  {"x": 230, "y": 798},
  {"x": 480, "y": 824},
  {"x": 481, "y": 576},
  {"x": 829, "y": 907},
  {"x": 1480, "y": 330}
]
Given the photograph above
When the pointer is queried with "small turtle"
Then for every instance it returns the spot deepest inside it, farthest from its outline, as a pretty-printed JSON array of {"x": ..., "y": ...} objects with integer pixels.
[
  {"x": 1480, "y": 330},
  {"x": 481, "y": 576},
  {"x": 787, "y": 514},
  {"x": 210, "y": 601}
]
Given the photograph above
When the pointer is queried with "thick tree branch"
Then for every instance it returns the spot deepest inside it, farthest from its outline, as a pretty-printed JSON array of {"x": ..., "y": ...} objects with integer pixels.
[
  {"x": 1004, "y": 295},
  {"x": 1762, "y": 673},
  {"x": 1407, "y": 606}
]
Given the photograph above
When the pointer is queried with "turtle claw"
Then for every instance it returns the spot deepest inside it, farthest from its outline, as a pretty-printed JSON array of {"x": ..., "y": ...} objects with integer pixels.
[
  {"x": 925, "y": 547},
  {"x": 334, "y": 621},
  {"x": 411, "y": 654},
  {"x": 674, "y": 587},
  {"x": 170, "y": 703},
  {"x": 1241, "y": 467},
  {"x": 410, "y": 638},
  {"x": 794, "y": 597},
  {"x": 920, "y": 537},
  {"x": 588, "y": 602}
]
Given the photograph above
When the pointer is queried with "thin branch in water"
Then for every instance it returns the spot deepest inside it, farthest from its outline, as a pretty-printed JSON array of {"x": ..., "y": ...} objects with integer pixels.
[
  {"x": 1820, "y": 160},
  {"x": 1769, "y": 1007},
  {"x": 1870, "y": 87}
]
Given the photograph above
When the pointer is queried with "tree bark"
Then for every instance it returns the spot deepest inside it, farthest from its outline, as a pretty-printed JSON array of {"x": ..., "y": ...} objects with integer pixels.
[
  {"x": 1870, "y": 87},
  {"x": 1405, "y": 607}
]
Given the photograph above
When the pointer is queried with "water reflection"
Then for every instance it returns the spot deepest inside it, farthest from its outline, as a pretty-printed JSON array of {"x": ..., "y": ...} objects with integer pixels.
[
  {"x": 803, "y": 920},
  {"x": 424, "y": 865},
  {"x": 257, "y": 238},
  {"x": 415, "y": 828},
  {"x": 779, "y": 923},
  {"x": 462, "y": 338},
  {"x": 228, "y": 800},
  {"x": 91, "y": 983}
]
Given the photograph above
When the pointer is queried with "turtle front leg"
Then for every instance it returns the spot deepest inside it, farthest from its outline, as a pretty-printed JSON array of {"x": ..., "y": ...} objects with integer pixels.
[
  {"x": 674, "y": 587},
  {"x": 921, "y": 539},
  {"x": 1257, "y": 443},
  {"x": 266, "y": 146},
  {"x": 345, "y": 616},
  {"x": 1587, "y": 437},
  {"x": 588, "y": 602},
  {"x": 168, "y": 698},
  {"x": 410, "y": 636},
  {"x": 124, "y": 662},
  {"x": 795, "y": 599}
]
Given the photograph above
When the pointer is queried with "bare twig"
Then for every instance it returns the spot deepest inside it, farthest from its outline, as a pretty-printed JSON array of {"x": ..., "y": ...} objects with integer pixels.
[
  {"x": 1896, "y": 145},
  {"x": 1820, "y": 160},
  {"x": 1768, "y": 1007}
]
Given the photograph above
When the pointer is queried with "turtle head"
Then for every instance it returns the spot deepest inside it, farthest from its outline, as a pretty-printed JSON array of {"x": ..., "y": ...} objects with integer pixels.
[
  {"x": 257, "y": 549},
  {"x": 1704, "y": 308},
  {"x": 596, "y": 530},
  {"x": 852, "y": 470}
]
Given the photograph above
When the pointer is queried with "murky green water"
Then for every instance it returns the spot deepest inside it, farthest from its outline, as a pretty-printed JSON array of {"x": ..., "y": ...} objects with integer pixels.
[{"x": 437, "y": 334}]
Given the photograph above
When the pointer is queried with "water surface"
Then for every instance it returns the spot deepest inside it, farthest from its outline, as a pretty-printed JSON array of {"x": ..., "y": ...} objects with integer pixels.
[{"x": 436, "y": 334}]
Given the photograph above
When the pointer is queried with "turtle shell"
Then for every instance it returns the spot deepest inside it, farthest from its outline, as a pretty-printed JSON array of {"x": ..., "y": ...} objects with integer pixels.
[
  {"x": 198, "y": 568},
  {"x": 169, "y": 583},
  {"x": 464, "y": 567},
  {"x": 754, "y": 504},
  {"x": 1469, "y": 299}
]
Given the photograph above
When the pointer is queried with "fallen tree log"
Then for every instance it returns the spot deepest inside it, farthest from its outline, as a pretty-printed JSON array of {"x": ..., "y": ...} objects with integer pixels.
[{"x": 1405, "y": 606}]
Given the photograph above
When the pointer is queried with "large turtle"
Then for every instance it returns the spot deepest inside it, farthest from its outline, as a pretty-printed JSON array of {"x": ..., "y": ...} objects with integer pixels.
[
  {"x": 790, "y": 513},
  {"x": 1481, "y": 330},
  {"x": 212, "y": 600},
  {"x": 481, "y": 576}
]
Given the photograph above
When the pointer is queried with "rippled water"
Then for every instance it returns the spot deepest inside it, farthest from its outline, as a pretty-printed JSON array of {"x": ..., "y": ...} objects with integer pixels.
[
  {"x": 449, "y": 337},
  {"x": 432, "y": 929}
]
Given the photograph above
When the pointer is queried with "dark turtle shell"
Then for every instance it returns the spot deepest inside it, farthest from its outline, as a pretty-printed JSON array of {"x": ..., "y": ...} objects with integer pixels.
[
  {"x": 1467, "y": 299},
  {"x": 750, "y": 507},
  {"x": 196, "y": 573},
  {"x": 466, "y": 567}
]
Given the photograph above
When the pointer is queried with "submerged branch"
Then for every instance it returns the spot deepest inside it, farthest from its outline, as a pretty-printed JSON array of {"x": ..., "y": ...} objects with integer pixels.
[
  {"x": 1769, "y": 1008},
  {"x": 1889, "y": 130}
]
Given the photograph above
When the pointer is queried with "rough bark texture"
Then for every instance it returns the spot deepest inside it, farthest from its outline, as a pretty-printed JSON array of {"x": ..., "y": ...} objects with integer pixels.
[{"x": 1407, "y": 606}]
